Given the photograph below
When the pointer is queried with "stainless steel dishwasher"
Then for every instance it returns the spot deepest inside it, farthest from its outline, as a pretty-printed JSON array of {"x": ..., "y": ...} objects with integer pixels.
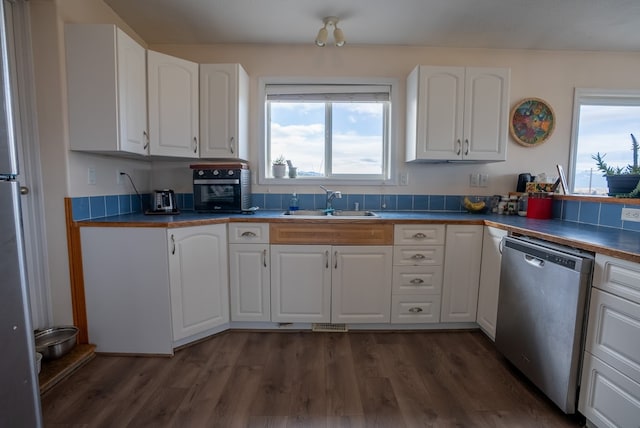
[{"x": 541, "y": 312}]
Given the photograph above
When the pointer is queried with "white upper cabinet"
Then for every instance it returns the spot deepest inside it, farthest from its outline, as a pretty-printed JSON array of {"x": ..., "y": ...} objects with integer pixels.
[
  {"x": 173, "y": 106},
  {"x": 224, "y": 111},
  {"x": 107, "y": 90},
  {"x": 457, "y": 113}
]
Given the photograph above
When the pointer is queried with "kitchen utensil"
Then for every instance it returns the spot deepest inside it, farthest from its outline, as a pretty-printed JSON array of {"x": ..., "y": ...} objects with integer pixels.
[
  {"x": 164, "y": 202},
  {"x": 523, "y": 179},
  {"x": 55, "y": 342}
]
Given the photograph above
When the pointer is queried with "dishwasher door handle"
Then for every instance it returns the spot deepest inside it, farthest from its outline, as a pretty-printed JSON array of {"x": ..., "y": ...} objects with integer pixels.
[{"x": 534, "y": 261}]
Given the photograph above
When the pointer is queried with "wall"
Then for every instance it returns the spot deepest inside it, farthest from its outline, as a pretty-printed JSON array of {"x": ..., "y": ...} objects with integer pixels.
[
  {"x": 544, "y": 74},
  {"x": 548, "y": 75},
  {"x": 61, "y": 170}
]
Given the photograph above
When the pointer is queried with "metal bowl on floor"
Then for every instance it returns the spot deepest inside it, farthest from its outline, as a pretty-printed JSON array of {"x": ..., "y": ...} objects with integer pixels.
[{"x": 55, "y": 342}]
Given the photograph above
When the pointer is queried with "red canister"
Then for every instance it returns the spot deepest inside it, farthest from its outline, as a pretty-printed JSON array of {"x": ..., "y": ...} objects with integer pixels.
[{"x": 540, "y": 205}]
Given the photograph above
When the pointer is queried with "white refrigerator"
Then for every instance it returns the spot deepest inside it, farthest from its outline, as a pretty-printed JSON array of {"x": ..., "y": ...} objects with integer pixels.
[{"x": 19, "y": 390}]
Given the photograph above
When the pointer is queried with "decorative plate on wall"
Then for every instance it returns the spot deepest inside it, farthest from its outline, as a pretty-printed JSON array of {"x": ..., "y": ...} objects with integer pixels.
[{"x": 532, "y": 121}]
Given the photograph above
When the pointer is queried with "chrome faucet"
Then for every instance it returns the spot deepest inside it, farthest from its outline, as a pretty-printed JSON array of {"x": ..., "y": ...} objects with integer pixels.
[{"x": 331, "y": 195}]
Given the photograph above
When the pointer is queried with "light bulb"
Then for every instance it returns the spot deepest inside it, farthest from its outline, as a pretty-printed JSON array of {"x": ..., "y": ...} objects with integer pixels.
[
  {"x": 338, "y": 35},
  {"x": 321, "y": 39}
]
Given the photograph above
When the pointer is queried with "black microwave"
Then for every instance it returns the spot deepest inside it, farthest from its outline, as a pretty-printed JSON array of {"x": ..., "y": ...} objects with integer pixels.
[{"x": 223, "y": 188}]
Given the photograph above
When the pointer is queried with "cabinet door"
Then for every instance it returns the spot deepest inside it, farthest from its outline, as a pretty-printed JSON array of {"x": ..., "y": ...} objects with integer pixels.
[
  {"x": 361, "y": 284},
  {"x": 463, "y": 249},
  {"x": 199, "y": 279},
  {"x": 224, "y": 107},
  {"x": 132, "y": 95},
  {"x": 486, "y": 114},
  {"x": 301, "y": 283},
  {"x": 126, "y": 289},
  {"x": 106, "y": 90},
  {"x": 607, "y": 397},
  {"x": 490, "y": 280},
  {"x": 249, "y": 282},
  {"x": 439, "y": 111},
  {"x": 173, "y": 106}
]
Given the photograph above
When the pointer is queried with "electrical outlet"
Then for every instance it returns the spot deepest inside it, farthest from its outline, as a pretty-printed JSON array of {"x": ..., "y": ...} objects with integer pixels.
[
  {"x": 474, "y": 180},
  {"x": 119, "y": 176},
  {"x": 91, "y": 175},
  {"x": 404, "y": 178},
  {"x": 631, "y": 214},
  {"x": 483, "y": 180}
]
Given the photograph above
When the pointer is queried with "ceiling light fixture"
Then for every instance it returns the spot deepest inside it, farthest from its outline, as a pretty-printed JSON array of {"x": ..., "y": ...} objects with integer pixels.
[{"x": 323, "y": 34}]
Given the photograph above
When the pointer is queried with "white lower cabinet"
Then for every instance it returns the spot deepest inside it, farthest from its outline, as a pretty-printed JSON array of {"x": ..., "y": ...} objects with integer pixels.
[
  {"x": 610, "y": 391},
  {"x": 418, "y": 256},
  {"x": 249, "y": 272},
  {"x": 463, "y": 253},
  {"x": 126, "y": 286},
  {"x": 361, "y": 284},
  {"x": 301, "y": 283},
  {"x": 489, "y": 288},
  {"x": 323, "y": 283},
  {"x": 199, "y": 279}
]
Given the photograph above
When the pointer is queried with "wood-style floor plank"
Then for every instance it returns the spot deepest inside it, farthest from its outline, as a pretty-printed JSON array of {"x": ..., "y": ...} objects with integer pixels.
[{"x": 304, "y": 379}]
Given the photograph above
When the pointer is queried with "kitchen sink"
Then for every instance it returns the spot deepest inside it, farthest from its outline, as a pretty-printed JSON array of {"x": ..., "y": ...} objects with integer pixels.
[{"x": 334, "y": 214}]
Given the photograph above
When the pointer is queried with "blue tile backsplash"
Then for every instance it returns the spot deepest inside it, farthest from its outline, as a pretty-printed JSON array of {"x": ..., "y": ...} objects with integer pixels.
[{"x": 595, "y": 213}]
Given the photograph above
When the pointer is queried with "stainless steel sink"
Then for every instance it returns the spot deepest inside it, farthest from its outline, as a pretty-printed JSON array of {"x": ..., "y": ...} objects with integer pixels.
[
  {"x": 347, "y": 213},
  {"x": 334, "y": 214}
]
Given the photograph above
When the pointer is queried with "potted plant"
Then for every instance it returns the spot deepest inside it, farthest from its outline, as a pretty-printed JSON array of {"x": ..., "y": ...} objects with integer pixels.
[
  {"x": 279, "y": 167},
  {"x": 622, "y": 181}
]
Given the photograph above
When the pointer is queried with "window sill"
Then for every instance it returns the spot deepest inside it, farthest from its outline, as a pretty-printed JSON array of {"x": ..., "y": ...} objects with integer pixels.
[{"x": 599, "y": 198}]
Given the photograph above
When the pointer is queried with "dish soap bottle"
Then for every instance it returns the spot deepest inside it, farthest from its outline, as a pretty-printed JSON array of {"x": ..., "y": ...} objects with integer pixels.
[{"x": 293, "y": 203}]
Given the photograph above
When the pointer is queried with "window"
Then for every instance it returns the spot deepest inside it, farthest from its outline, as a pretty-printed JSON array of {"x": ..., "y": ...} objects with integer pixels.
[
  {"x": 603, "y": 123},
  {"x": 329, "y": 131}
]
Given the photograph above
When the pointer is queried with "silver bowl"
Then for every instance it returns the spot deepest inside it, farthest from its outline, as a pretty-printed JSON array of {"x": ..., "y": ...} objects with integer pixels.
[{"x": 55, "y": 342}]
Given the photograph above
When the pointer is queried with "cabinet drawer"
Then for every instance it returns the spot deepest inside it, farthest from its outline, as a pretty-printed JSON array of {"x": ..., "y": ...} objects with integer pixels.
[
  {"x": 418, "y": 255},
  {"x": 415, "y": 309},
  {"x": 607, "y": 397},
  {"x": 431, "y": 234},
  {"x": 248, "y": 232},
  {"x": 613, "y": 334},
  {"x": 619, "y": 277},
  {"x": 417, "y": 279}
]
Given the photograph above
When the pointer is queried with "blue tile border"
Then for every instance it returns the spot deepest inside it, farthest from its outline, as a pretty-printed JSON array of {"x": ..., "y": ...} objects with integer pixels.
[{"x": 595, "y": 213}]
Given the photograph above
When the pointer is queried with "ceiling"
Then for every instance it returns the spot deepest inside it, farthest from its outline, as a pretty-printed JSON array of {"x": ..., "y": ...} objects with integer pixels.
[{"x": 611, "y": 25}]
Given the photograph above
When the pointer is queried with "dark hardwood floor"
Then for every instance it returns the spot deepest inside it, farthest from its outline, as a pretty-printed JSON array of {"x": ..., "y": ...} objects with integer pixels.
[{"x": 305, "y": 379}]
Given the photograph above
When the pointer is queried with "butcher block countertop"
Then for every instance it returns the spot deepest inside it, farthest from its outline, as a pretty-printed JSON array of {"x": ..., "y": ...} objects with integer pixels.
[{"x": 619, "y": 243}]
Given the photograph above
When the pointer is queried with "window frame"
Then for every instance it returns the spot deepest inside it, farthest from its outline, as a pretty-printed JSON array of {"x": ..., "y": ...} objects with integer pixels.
[
  {"x": 594, "y": 96},
  {"x": 390, "y": 128}
]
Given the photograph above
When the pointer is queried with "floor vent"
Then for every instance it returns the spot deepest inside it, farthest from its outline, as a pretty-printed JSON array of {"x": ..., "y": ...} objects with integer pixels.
[{"x": 338, "y": 328}]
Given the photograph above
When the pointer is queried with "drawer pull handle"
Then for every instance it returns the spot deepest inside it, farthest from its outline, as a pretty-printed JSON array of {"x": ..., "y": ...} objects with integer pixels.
[
  {"x": 416, "y": 281},
  {"x": 419, "y": 235},
  {"x": 415, "y": 310},
  {"x": 248, "y": 234},
  {"x": 418, "y": 257}
]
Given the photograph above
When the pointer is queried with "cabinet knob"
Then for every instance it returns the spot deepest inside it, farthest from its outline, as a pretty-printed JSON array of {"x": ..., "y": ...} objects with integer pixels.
[
  {"x": 416, "y": 281},
  {"x": 415, "y": 310},
  {"x": 24, "y": 190}
]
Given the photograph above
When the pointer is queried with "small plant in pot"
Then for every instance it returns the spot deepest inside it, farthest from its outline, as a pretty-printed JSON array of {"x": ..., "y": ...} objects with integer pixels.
[
  {"x": 623, "y": 182},
  {"x": 279, "y": 167}
]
